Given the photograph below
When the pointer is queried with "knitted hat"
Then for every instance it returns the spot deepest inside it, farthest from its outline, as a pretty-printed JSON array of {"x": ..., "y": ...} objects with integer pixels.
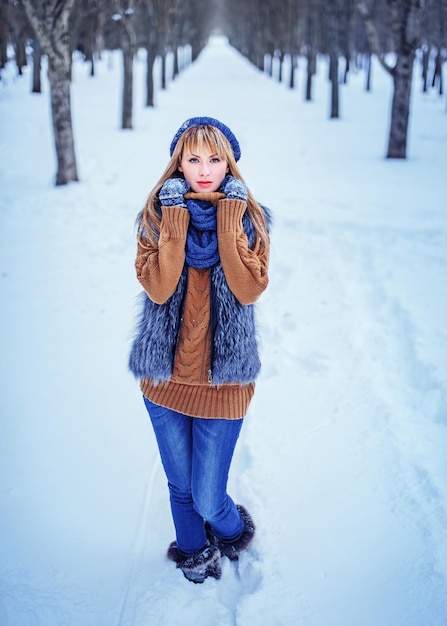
[{"x": 210, "y": 121}]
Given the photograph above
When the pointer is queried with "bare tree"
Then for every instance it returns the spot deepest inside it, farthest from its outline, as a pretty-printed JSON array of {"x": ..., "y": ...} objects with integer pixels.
[
  {"x": 155, "y": 20},
  {"x": 37, "y": 66},
  {"x": 333, "y": 36},
  {"x": 311, "y": 27},
  {"x": 3, "y": 37},
  {"x": 336, "y": 21},
  {"x": 87, "y": 24},
  {"x": 51, "y": 25},
  {"x": 124, "y": 16},
  {"x": 20, "y": 32},
  {"x": 434, "y": 42},
  {"x": 404, "y": 16},
  {"x": 151, "y": 45}
]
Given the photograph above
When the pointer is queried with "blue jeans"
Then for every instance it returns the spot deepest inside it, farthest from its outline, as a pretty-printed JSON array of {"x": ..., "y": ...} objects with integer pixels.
[{"x": 196, "y": 454}]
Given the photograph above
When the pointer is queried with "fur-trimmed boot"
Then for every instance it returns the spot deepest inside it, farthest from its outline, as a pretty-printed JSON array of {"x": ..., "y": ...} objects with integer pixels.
[
  {"x": 232, "y": 548},
  {"x": 196, "y": 567}
]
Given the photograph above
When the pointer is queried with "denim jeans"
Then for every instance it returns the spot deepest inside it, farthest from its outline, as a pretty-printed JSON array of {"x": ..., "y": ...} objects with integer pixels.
[{"x": 196, "y": 454}]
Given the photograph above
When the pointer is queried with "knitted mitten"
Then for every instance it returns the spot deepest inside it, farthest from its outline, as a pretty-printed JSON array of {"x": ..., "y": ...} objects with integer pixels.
[
  {"x": 232, "y": 548},
  {"x": 234, "y": 188},
  {"x": 196, "y": 567},
  {"x": 172, "y": 192}
]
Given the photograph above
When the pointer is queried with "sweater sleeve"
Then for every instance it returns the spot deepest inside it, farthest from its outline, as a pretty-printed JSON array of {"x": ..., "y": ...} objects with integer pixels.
[
  {"x": 159, "y": 267},
  {"x": 246, "y": 270}
]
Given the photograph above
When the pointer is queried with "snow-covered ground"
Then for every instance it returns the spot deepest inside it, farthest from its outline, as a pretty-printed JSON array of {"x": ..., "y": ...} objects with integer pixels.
[{"x": 343, "y": 457}]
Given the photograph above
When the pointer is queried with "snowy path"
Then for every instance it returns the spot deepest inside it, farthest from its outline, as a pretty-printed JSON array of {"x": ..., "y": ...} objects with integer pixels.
[{"x": 342, "y": 458}]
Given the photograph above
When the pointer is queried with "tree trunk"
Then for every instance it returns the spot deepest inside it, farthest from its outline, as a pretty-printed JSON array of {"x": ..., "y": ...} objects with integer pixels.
[
  {"x": 163, "y": 69},
  {"x": 368, "y": 73},
  {"x": 426, "y": 51},
  {"x": 346, "y": 72},
  {"x": 437, "y": 74},
  {"x": 89, "y": 43},
  {"x": 150, "y": 60},
  {"x": 37, "y": 56},
  {"x": 128, "y": 46},
  {"x": 310, "y": 71},
  {"x": 176, "y": 69},
  {"x": 127, "y": 81},
  {"x": 20, "y": 53},
  {"x": 3, "y": 42},
  {"x": 61, "y": 113},
  {"x": 405, "y": 23},
  {"x": 333, "y": 76},
  {"x": 54, "y": 37},
  {"x": 196, "y": 48},
  {"x": 333, "y": 49},
  {"x": 293, "y": 66},
  {"x": 400, "y": 108},
  {"x": 280, "y": 65}
]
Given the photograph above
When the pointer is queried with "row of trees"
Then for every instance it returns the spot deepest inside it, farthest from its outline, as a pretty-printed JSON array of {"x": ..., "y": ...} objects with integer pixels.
[
  {"x": 345, "y": 31},
  {"x": 58, "y": 27}
]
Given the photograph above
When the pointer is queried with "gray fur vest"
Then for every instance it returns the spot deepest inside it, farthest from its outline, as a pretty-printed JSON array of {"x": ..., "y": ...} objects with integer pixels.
[{"x": 234, "y": 353}]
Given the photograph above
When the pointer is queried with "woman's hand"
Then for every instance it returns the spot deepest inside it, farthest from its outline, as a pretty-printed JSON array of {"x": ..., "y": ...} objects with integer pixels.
[
  {"x": 234, "y": 188},
  {"x": 172, "y": 192}
]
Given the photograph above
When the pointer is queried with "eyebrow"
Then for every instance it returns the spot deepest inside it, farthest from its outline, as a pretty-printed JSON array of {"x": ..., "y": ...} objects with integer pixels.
[{"x": 198, "y": 155}]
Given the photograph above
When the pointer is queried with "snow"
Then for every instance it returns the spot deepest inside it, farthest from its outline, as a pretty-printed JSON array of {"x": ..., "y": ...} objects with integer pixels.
[{"x": 342, "y": 459}]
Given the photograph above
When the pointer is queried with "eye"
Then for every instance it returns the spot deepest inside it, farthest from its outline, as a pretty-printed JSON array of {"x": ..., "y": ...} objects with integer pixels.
[
  {"x": 193, "y": 160},
  {"x": 215, "y": 160}
]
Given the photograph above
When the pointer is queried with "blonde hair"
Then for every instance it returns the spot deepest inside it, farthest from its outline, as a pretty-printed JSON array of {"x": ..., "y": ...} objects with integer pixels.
[{"x": 194, "y": 139}]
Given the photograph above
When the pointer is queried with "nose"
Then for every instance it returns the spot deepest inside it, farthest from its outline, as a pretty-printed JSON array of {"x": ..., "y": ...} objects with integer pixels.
[{"x": 204, "y": 169}]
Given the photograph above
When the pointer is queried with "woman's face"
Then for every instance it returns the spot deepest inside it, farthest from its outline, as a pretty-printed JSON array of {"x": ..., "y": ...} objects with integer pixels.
[{"x": 203, "y": 170}]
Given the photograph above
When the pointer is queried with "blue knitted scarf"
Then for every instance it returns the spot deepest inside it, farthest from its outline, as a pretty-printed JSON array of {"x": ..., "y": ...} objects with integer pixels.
[{"x": 201, "y": 241}]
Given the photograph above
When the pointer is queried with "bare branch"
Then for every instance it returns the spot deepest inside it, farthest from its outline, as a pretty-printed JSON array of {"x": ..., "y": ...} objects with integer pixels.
[
  {"x": 36, "y": 24},
  {"x": 40, "y": 25},
  {"x": 372, "y": 35}
]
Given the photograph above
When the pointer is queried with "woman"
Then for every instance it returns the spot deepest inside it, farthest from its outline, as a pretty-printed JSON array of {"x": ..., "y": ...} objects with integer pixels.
[{"x": 202, "y": 260}]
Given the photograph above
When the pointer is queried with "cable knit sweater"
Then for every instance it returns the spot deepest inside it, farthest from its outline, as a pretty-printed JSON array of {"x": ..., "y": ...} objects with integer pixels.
[{"x": 159, "y": 268}]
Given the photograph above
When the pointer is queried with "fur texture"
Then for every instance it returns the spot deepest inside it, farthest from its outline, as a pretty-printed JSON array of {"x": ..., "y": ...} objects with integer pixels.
[
  {"x": 153, "y": 349},
  {"x": 232, "y": 549},
  {"x": 197, "y": 567},
  {"x": 234, "y": 357}
]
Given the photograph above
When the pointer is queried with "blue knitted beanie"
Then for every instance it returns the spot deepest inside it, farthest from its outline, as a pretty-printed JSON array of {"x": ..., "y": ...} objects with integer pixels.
[{"x": 209, "y": 121}]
